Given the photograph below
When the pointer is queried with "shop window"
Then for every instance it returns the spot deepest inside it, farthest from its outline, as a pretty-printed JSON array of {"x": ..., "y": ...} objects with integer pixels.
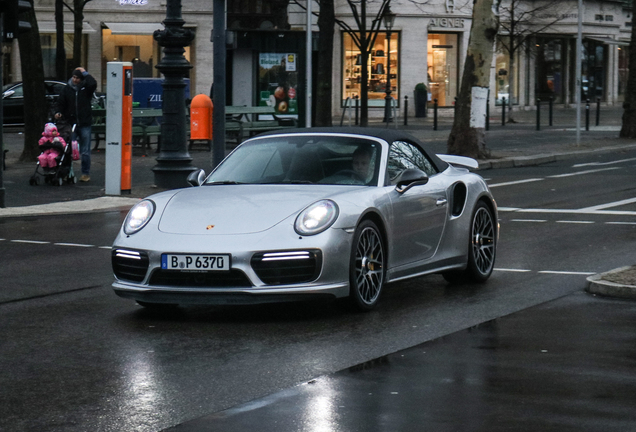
[
  {"x": 443, "y": 76},
  {"x": 550, "y": 69},
  {"x": 377, "y": 68},
  {"x": 48, "y": 41},
  {"x": 503, "y": 75},
  {"x": 142, "y": 50}
]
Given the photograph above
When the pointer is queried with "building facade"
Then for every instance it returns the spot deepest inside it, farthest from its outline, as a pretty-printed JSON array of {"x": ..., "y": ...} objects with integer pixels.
[{"x": 266, "y": 50}]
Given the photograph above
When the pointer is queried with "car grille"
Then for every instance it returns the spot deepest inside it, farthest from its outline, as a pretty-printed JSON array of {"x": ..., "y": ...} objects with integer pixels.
[
  {"x": 129, "y": 264},
  {"x": 288, "y": 267},
  {"x": 231, "y": 279}
]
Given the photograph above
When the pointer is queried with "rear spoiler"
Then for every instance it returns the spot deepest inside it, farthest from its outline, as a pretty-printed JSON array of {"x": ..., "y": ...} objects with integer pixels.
[{"x": 461, "y": 161}]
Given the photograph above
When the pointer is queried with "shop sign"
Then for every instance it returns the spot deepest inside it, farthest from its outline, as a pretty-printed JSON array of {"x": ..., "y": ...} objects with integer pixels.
[
  {"x": 447, "y": 22},
  {"x": 133, "y": 2}
]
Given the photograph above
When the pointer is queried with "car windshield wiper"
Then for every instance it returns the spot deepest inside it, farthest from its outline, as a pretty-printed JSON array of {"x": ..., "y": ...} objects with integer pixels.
[{"x": 224, "y": 182}]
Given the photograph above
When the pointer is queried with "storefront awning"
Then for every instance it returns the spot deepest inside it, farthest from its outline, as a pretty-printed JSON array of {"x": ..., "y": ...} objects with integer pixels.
[
  {"x": 607, "y": 40},
  {"x": 50, "y": 27},
  {"x": 133, "y": 28}
]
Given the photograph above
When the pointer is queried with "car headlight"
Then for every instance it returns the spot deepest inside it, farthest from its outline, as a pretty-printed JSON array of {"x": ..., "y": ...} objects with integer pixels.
[
  {"x": 316, "y": 218},
  {"x": 139, "y": 216}
]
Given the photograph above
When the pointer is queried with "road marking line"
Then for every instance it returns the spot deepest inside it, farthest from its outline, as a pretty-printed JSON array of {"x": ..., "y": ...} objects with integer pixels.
[
  {"x": 568, "y": 211},
  {"x": 575, "y": 222},
  {"x": 105, "y": 247},
  {"x": 74, "y": 244},
  {"x": 610, "y": 205},
  {"x": 583, "y": 172},
  {"x": 30, "y": 241},
  {"x": 515, "y": 182},
  {"x": 602, "y": 163},
  {"x": 566, "y": 273},
  {"x": 512, "y": 270},
  {"x": 529, "y": 220},
  {"x": 620, "y": 223}
]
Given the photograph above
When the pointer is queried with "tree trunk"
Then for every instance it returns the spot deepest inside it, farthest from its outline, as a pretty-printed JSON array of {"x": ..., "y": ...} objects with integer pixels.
[
  {"x": 468, "y": 135},
  {"x": 78, "y": 18},
  {"x": 629, "y": 106},
  {"x": 326, "y": 25},
  {"x": 60, "y": 52},
  {"x": 33, "y": 84}
]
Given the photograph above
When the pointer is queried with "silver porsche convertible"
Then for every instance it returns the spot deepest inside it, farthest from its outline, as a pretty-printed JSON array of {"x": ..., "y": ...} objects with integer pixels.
[{"x": 307, "y": 214}]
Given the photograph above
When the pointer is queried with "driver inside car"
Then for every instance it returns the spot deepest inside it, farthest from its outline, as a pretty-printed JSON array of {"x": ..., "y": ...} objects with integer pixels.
[{"x": 362, "y": 161}]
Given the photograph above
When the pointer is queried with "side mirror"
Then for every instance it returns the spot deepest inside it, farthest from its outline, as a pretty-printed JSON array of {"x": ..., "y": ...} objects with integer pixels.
[
  {"x": 196, "y": 178},
  {"x": 409, "y": 178},
  {"x": 8, "y": 93}
]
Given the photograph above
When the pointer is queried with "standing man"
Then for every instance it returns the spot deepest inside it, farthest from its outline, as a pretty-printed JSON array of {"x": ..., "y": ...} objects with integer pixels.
[{"x": 74, "y": 106}]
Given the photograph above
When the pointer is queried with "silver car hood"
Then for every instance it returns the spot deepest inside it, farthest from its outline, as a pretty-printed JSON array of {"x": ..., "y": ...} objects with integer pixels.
[{"x": 238, "y": 209}]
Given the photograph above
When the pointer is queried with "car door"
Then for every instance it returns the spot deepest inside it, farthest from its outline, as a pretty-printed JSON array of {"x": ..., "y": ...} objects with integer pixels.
[
  {"x": 13, "y": 105},
  {"x": 419, "y": 214}
]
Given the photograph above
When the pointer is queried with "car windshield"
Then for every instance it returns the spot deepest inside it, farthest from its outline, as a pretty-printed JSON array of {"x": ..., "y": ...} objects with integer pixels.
[{"x": 298, "y": 159}]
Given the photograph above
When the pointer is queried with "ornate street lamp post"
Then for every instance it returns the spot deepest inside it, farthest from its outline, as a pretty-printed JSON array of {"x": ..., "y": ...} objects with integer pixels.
[
  {"x": 174, "y": 161},
  {"x": 389, "y": 19}
]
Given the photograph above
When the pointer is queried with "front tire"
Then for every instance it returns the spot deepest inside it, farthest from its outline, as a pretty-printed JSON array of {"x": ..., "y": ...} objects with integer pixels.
[
  {"x": 482, "y": 248},
  {"x": 367, "y": 266}
]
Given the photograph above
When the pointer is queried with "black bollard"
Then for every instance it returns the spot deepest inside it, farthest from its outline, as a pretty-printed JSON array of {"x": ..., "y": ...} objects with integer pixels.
[
  {"x": 434, "y": 114},
  {"x": 538, "y": 114},
  {"x": 551, "y": 101},
  {"x": 587, "y": 114},
  {"x": 598, "y": 111},
  {"x": 455, "y": 107},
  {"x": 357, "y": 107},
  {"x": 406, "y": 110},
  {"x": 488, "y": 111},
  {"x": 503, "y": 111}
]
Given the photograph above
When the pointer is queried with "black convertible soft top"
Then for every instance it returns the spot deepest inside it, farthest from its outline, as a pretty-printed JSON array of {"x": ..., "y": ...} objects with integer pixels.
[{"x": 388, "y": 135}]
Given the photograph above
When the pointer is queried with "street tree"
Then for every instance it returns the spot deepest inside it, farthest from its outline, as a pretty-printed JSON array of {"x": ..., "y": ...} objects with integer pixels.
[
  {"x": 628, "y": 130},
  {"x": 33, "y": 85},
  {"x": 468, "y": 135},
  {"x": 520, "y": 22},
  {"x": 60, "y": 51},
  {"x": 324, "y": 88}
]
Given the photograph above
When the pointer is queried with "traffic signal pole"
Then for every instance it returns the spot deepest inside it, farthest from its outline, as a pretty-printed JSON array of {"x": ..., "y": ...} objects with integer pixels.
[{"x": 2, "y": 205}]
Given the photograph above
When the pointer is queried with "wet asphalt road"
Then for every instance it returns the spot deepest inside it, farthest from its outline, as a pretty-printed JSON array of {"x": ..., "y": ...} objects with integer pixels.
[{"x": 77, "y": 358}]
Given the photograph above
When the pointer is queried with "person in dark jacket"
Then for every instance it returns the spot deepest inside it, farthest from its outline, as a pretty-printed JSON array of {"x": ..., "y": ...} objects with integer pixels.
[{"x": 74, "y": 106}]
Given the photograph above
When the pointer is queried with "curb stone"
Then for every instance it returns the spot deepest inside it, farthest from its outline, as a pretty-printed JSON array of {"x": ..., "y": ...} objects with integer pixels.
[{"x": 597, "y": 285}]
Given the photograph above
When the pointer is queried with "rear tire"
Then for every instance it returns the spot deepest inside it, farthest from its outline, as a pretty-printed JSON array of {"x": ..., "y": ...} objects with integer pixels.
[
  {"x": 367, "y": 266},
  {"x": 482, "y": 248}
]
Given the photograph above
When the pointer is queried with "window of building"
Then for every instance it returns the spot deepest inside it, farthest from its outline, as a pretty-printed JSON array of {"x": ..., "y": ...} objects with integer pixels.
[
  {"x": 443, "y": 62},
  {"x": 140, "y": 49},
  {"x": 48, "y": 42},
  {"x": 550, "y": 69},
  {"x": 593, "y": 70},
  {"x": 503, "y": 74},
  {"x": 378, "y": 65}
]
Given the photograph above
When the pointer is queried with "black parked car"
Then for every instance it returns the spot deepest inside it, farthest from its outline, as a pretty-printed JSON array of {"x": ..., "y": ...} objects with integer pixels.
[{"x": 13, "y": 100}]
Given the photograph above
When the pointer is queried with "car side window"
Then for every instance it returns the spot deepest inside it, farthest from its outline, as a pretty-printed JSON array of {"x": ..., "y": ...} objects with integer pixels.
[
  {"x": 18, "y": 91},
  {"x": 403, "y": 155}
]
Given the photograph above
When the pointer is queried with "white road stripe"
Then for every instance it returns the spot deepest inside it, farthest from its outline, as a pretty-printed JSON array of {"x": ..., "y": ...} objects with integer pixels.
[
  {"x": 566, "y": 273},
  {"x": 602, "y": 163},
  {"x": 30, "y": 241},
  {"x": 610, "y": 205},
  {"x": 512, "y": 270},
  {"x": 105, "y": 247},
  {"x": 583, "y": 172},
  {"x": 568, "y": 211},
  {"x": 529, "y": 220},
  {"x": 574, "y": 222},
  {"x": 515, "y": 182},
  {"x": 620, "y": 223},
  {"x": 74, "y": 244}
]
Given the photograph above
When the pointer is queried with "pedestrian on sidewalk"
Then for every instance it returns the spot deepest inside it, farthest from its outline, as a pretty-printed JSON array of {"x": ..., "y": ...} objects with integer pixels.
[{"x": 74, "y": 106}]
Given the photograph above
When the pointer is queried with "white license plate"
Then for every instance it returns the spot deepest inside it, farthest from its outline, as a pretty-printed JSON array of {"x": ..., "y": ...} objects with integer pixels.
[{"x": 195, "y": 262}]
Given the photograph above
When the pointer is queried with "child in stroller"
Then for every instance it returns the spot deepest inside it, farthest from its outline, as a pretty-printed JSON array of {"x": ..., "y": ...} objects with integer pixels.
[{"x": 55, "y": 163}]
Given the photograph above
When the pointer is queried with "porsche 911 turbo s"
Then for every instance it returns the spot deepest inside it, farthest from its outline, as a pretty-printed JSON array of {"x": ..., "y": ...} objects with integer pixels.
[{"x": 309, "y": 213}]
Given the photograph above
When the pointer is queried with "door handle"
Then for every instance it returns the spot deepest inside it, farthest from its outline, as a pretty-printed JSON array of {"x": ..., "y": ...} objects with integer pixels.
[{"x": 441, "y": 202}]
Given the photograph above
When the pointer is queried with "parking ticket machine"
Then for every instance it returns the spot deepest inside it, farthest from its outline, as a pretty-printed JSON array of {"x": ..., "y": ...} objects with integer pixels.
[{"x": 118, "y": 128}]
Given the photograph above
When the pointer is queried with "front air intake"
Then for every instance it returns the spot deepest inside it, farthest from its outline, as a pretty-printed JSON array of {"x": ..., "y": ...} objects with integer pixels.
[{"x": 287, "y": 267}]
